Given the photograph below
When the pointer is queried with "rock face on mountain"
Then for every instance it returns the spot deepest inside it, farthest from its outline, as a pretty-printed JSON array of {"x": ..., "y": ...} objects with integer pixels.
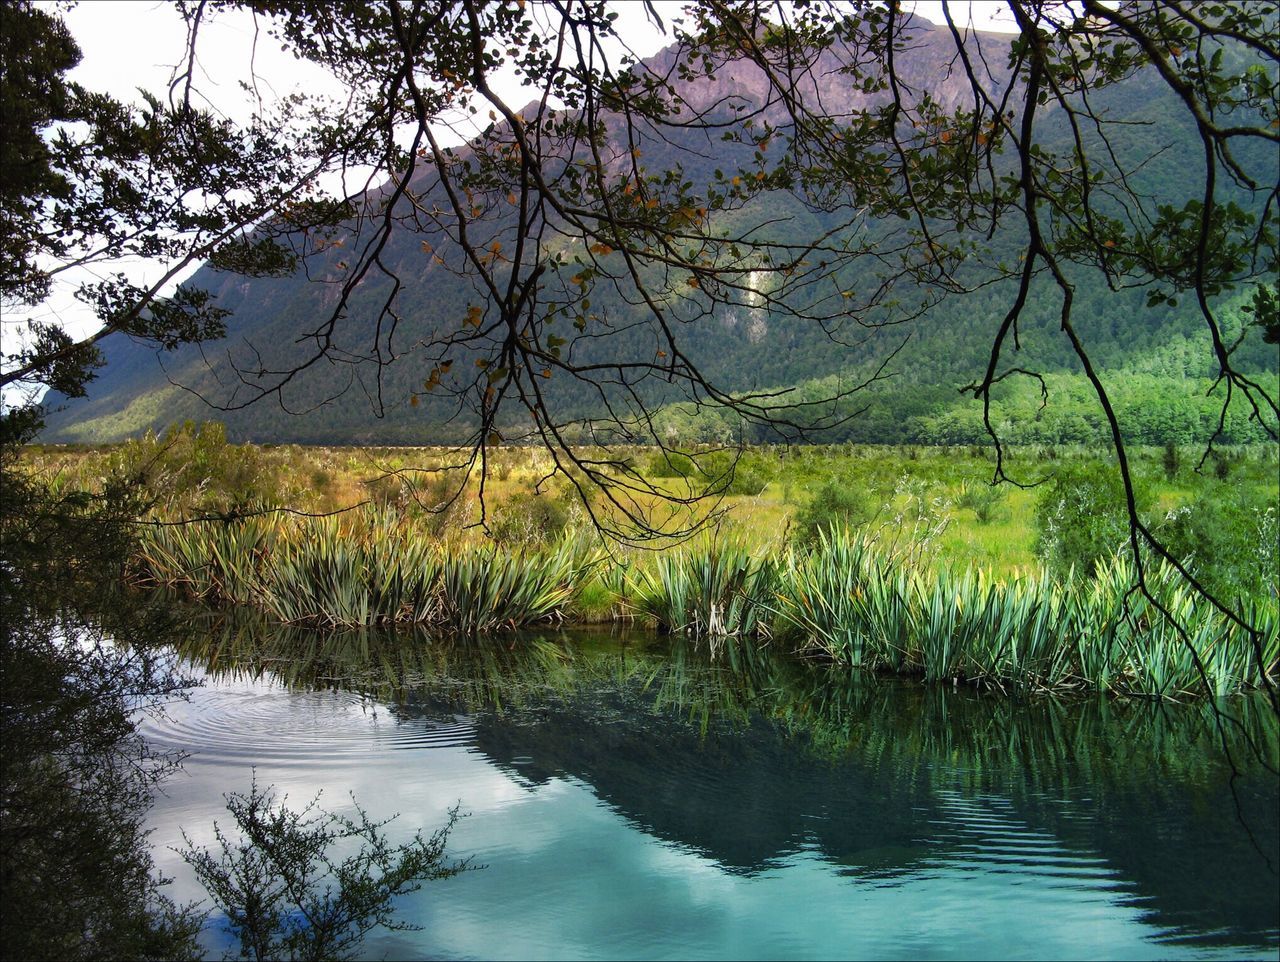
[{"x": 349, "y": 398}]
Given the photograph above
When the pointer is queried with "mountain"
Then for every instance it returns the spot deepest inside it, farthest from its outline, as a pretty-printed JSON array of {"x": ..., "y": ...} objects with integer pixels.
[{"x": 741, "y": 348}]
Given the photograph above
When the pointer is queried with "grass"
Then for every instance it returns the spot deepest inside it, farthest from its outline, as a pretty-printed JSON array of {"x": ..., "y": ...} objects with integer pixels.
[
  {"x": 903, "y": 487},
  {"x": 367, "y": 568},
  {"x": 939, "y": 580}
]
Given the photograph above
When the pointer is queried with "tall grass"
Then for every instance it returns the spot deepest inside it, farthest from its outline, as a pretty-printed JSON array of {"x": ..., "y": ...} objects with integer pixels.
[
  {"x": 367, "y": 569},
  {"x": 868, "y": 607},
  {"x": 710, "y": 592}
]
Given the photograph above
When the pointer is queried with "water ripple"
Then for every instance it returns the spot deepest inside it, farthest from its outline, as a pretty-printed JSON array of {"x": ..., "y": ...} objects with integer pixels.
[{"x": 251, "y": 723}]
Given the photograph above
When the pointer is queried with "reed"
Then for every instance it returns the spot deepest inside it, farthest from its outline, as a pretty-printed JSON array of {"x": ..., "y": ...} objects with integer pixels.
[
  {"x": 365, "y": 569},
  {"x": 710, "y": 592},
  {"x": 869, "y": 608}
]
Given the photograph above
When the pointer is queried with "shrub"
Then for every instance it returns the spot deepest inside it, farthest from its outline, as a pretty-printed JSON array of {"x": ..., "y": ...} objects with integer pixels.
[
  {"x": 1222, "y": 464},
  {"x": 529, "y": 518},
  {"x": 438, "y": 502},
  {"x": 835, "y": 505},
  {"x": 284, "y": 891},
  {"x": 724, "y": 471},
  {"x": 669, "y": 464},
  {"x": 387, "y": 491},
  {"x": 1228, "y": 533},
  {"x": 1081, "y": 518},
  {"x": 736, "y": 474},
  {"x": 191, "y": 468},
  {"x": 985, "y": 500},
  {"x": 710, "y": 592}
]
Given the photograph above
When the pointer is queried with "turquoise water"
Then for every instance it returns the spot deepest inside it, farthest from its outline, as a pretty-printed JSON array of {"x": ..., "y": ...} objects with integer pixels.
[{"x": 631, "y": 798}]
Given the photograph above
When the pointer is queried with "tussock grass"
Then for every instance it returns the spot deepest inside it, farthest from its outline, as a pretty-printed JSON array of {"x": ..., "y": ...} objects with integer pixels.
[
  {"x": 867, "y": 607},
  {"x": 369, "y": 568}
]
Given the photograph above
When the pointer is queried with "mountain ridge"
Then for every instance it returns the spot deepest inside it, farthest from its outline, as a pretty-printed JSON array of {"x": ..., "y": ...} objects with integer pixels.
[{"x": 742, "y": 347}]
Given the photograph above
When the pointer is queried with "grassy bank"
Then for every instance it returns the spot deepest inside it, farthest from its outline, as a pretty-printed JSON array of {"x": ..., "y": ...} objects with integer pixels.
[
  {"x": 877, "y": 559},
  {"x": 856, "y": 602}
]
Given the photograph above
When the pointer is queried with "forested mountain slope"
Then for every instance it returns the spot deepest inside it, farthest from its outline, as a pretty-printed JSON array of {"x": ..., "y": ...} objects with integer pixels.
[{"x": 1157, "y": 359}]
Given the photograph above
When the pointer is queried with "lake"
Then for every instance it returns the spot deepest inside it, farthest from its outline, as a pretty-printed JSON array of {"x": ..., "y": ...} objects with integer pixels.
[{"x": 630, "y": 796}]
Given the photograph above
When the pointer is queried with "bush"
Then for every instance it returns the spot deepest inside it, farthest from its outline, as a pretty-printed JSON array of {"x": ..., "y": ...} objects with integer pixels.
[
  {"x": 723, "y": 471},
  {"x": 669, "y": 464},
  {"x": 283, "y": 891},
  {"x": 1170, "y": 460},
  {"x": 387, "y": 491},
  {"x": 529, "y": 518},
  {"x": 438, "y": 504},
  {"x": 1228, "y": 533},
  {"x": 80, "y": 663},
  {"x": 1081, "y": 518},
  {"x": 835, "y": 505},
  {"x": 985, "y": 500},
  {"x": 192, "y": 468},
  {"x": 749, "y": 474}
]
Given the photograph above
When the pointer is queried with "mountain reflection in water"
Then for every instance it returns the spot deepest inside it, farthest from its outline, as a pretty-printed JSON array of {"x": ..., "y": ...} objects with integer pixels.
[{"x": 754, "y": 764}]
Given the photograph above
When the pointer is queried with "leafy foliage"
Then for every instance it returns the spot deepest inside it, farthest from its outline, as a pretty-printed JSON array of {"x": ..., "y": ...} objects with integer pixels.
[
  {"x": 371, "y": 568},
  {"x": 78, "y": 661},
  {"x": 553, "y": 274},
  {"x": 1081, "y": 519},
  {"x": 90, "y": 181},
  {"x": 710, "y": 593},
  {"x": 984, "y": 500},
  {"x": 835, "y": 505},
  {"x": 80, "y": 658},
  {"x": 1231, "y": 539},
  {"x": 639, "y": 237},
  {"x": 285, "y": 889}
]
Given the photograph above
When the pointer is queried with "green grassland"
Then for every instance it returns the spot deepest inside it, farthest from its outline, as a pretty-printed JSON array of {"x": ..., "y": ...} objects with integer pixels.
[
  {"x": 762, "y": 497},
  {"x": 901, "y": 559}
]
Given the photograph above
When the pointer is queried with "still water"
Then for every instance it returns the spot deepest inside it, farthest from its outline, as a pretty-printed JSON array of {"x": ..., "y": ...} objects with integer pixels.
[{"x": 631, "y": 797}]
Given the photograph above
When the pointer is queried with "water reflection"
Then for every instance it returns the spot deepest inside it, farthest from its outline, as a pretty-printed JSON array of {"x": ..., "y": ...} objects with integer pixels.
[{"x": 761, "y": 766}]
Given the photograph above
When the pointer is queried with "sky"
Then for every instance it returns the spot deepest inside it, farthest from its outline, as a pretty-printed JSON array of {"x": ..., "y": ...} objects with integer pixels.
[{"x": 129, "y": 45}]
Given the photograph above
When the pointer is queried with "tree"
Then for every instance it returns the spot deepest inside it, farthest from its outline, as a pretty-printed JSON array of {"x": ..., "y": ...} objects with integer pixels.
[
  {"x": 598, "y": 226},
  {"x": 89, "y": 181},
  {"x": 78, "y": 660}
]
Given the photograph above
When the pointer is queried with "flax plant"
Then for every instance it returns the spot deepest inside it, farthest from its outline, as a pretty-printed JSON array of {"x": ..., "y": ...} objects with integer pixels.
[
  {"x": 366, "y": 569},
  {"x": 217, "y": 561},
  {"x": 860, "y": 603},
  {"x": 868, "y": 607},
  {"x": 712, "y": 592},
  {"x": 483, "y": 589}
]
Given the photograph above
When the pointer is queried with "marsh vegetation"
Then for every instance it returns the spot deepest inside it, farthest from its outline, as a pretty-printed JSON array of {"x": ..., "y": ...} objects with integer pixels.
[{"x": 880, "y": 559}]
